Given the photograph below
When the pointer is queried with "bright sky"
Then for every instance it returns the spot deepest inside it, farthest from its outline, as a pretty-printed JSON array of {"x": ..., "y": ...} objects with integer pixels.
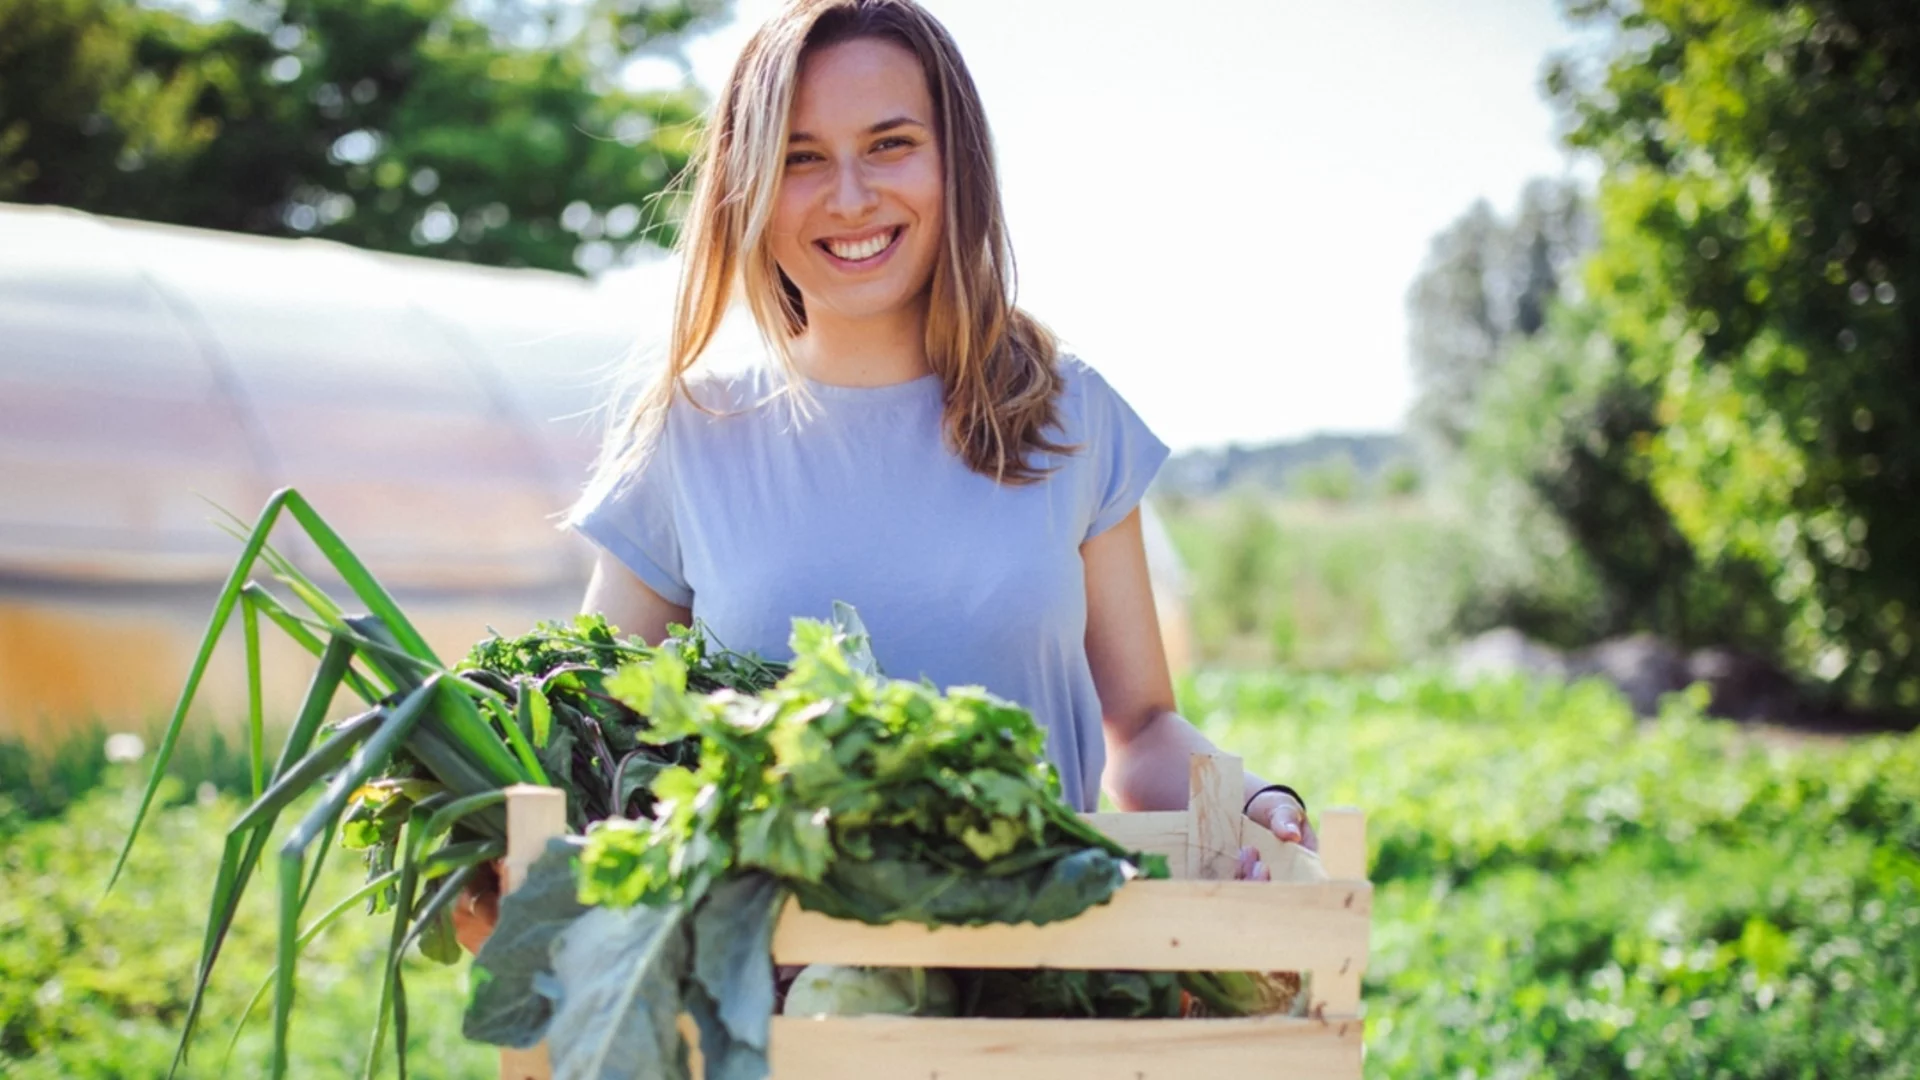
[{"x": 1222, "y": 205}]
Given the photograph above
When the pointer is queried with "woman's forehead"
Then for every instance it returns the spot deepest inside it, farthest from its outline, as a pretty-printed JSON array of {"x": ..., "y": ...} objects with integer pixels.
[{"x": 848, "y": 87}]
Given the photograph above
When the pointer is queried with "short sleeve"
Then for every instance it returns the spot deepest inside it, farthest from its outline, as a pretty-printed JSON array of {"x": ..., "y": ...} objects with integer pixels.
[
  {"x": 634, "y": 521},
  {"x": 1124, "y": 454}
]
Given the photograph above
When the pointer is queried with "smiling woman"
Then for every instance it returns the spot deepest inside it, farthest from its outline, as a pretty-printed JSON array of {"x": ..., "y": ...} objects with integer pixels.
[{"x": 916, "y": 445}]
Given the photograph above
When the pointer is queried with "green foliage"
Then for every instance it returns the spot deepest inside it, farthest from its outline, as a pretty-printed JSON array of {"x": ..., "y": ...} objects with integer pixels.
[
  {"x": 505, "y": 1008},
  {"x": 424, "y": 765},
  {"x": 1335, "y": 480},
  {"x": 865, "y": 798},
  {"x": 1758, "y": 270},
  {"x": 1551, "y": 472},
  {"x": 881, "y": 800},
  {"x": 605, "y": 986},
  {"x": 41, "y": 781},
  {"x": 94, "y": 989},
  {"x": 1366, "y": 585},
  {"x": 399, "y": 125},
  {"x": 1400, "y": 478},
  {"x": 1487, "y": 283},
  {"x": 1561, "y": 891},
  {"x": 1566, "y": 891}
]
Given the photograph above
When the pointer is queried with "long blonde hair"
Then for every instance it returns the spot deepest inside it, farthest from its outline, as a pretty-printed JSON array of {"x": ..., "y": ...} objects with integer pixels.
[{"x": 996, "y": 363}]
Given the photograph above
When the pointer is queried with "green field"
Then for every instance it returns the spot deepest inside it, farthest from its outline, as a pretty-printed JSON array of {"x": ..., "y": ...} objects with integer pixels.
[
  {"x": 1563, "y": 891},
  {"x": 1313, "y": 585}
]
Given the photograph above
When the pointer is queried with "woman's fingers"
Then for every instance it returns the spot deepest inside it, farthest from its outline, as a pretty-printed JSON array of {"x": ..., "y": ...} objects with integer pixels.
[
  {"x": 1250, "y": 867},
  {"x": 477, "y": 909},
  {"x": 1288, "y": 822}
]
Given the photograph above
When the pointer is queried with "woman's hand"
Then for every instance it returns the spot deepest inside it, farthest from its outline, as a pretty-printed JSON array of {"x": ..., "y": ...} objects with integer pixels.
[
  {"x": 478, "y": 908},
  {"x": 1283, "y": 815}
]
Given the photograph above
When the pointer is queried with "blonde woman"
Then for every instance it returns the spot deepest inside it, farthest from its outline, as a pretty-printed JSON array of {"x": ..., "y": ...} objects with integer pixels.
[{"x": 915, "y": 445}]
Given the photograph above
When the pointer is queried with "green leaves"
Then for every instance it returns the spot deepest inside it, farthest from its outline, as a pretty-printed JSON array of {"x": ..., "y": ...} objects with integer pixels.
[
  {"x": 881, "y": 799},
  {"x": 868, "y": 799},
  {"x": 620, "y": 972},
  {"x": 733, "y": 950},
  {"x": 1756, "y": 277},
  {"x": 1062, "y": 883},
  {"x": 833, "y": 767},
  {"x": 430, "y": 739},
  {"x": 605, "y": 986},
  {"x": 508, "y": 1006},
  {"x": 789, "y": 843},
  {"x": 221, "y": 119}
]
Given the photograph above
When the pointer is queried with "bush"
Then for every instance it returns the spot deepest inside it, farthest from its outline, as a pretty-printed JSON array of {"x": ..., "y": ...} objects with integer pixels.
[{"x": 1571, "y": 541}]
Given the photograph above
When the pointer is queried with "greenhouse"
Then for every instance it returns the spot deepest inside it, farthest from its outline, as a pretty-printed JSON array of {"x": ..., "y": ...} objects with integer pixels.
[{"x": 438, "y": 414}]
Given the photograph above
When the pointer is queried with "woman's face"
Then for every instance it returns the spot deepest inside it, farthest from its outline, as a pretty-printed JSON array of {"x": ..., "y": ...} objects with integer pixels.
[{"x": 858, "y": 221}]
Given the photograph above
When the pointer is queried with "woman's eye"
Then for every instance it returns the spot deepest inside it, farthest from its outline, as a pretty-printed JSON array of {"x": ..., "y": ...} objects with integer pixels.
[
  {"x": 892, "y": 143},
  {"x": 802, "y": 157}
]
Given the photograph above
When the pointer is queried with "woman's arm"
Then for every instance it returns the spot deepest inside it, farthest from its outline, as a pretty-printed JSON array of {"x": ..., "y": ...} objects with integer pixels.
[
  {"x": 1148, "y": 743},
  {"x": 627, "y": 602}
]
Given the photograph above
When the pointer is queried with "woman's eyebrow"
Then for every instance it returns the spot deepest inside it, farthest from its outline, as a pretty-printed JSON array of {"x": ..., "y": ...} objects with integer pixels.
[{"x": 884, "y": 125}]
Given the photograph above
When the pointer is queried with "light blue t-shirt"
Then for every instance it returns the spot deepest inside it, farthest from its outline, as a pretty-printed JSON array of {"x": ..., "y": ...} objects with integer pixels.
[{"x": 754, "y": 518}]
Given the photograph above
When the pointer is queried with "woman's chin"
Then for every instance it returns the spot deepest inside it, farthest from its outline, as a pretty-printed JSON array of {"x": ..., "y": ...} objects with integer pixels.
[{"x": 867, "y": 304}]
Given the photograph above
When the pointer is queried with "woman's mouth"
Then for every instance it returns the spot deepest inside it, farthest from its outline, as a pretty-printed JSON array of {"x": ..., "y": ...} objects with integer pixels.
[{"x": 862, "y": 252}]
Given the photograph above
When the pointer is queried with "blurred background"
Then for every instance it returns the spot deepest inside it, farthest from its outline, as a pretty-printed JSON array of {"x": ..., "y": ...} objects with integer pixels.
[{"x": 1542, "y": 378}]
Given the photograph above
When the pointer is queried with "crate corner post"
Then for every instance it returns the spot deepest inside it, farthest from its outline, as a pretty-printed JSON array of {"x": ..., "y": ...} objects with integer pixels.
[
  {"x": 534, "y": 816},
  {"x": 1343, "y": 846},
  {"x": 1215, "y": 792}
]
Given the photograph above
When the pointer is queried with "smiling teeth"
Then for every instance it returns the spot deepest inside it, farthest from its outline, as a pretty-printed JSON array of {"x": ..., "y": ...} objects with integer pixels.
[{"x": 865, "y": 249}]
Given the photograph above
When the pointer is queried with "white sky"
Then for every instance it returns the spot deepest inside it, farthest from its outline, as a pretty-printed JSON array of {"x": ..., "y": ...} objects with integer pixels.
[{"x": 1221, "y": 204}]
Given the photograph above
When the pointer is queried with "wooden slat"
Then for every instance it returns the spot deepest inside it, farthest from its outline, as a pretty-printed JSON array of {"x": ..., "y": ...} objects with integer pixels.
[
  {"x": 1164, "y": 832},
  {"x": 1343, "y": 845},
  {"x": 534, "y": 814},
  {"x": 903, "y": 1048},
  {"x": 1149, "y": 925},
  {"x": 1215, "y": 790},
  {"x": 1156, "y": 832}
]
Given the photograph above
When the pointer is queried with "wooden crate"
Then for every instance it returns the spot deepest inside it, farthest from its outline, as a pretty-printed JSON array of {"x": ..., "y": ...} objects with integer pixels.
[{"x": 1308, "y": 920}]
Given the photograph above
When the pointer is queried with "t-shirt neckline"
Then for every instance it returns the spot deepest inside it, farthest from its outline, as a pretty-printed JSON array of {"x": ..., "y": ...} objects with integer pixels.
[{"x": 909, "y": 390}]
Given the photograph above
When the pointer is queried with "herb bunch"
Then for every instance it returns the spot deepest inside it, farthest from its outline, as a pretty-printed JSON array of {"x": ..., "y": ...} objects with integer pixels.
[
  {"x": 872, "y": 799},
  {"x": 549, "y": 686}
]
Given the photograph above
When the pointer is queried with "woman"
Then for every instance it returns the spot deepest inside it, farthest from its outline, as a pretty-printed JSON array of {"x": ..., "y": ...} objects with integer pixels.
[{"x": 918, "y": 447}]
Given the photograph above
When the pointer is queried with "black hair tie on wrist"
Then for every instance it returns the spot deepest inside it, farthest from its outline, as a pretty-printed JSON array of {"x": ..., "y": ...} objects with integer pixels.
[{"x": 1282, "y": 789}]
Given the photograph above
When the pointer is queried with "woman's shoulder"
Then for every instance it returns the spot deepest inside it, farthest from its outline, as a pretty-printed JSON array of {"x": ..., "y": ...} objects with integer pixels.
[
  {"x": 1085, "y": 394},
  {"x": 711, "y": 396}
]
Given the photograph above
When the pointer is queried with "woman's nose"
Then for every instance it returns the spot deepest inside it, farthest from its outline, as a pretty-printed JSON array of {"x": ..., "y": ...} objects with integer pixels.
[{"x": 853, "y": 196}]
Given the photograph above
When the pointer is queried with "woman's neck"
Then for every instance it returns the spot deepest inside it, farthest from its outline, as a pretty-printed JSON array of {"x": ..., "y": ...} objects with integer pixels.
[{"x": 872, "y": 351}]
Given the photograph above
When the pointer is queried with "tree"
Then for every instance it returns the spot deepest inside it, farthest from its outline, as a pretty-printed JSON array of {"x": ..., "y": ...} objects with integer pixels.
[
  {"x": 1487, "y": 282},
  {"x": 1574, "y": 543},
  {"x": 399, "y": 125},
  {"x": 1758, "y": 267}
]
